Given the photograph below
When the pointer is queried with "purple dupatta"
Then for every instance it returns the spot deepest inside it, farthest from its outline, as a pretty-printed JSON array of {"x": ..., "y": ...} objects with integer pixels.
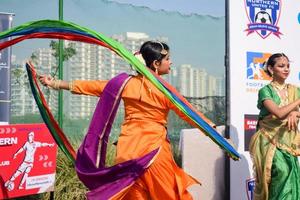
[{"x": 106, "y": 182}]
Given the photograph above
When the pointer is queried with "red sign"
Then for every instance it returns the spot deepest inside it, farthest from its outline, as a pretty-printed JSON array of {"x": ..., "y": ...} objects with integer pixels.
[
  {"x": 27, "y": 160},
  {"x": 250, "y": 123}
]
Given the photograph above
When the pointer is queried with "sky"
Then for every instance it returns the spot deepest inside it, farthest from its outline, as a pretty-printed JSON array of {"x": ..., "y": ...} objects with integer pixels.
[
  {"x": 189, "y": 25},
  {"x": 206, "y": 7}
]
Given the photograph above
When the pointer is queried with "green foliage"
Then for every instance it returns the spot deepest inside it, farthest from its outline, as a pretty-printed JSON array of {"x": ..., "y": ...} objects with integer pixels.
[
  {"x": 67, "y": 184},
  {"x": 68, "y": 52},
  {"x": 33, "y": 58},
  {"x": 17, "y": 72},
  {"x": 27, "y": 119},
  {"x": 75, "y": 129}
]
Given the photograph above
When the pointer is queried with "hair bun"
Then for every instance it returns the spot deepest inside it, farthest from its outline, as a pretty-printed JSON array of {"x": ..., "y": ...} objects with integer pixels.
[{"x": 139, "y": 56}]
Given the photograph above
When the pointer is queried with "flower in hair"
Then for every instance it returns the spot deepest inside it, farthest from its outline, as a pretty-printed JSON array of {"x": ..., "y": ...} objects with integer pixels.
[{"x": 163, "y": 50}]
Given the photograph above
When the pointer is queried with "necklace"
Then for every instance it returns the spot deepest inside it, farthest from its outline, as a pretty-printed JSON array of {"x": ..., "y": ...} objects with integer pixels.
[
  {"x": 282, "y": 91},
  {"x": 278, "y": 86}
]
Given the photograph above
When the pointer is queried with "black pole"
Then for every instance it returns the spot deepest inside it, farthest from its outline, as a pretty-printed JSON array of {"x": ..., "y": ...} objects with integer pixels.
[{"x": 227, "y": 99}]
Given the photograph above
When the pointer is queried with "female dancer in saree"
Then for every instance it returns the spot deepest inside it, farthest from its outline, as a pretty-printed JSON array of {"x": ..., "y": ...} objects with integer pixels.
[
  {"x": 144, "y": 128},
  {"x": 276, "y": 144}
]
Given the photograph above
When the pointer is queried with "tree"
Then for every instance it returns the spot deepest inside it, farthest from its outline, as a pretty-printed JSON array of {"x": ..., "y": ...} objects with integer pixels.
[
  {"x": 33, "y": 58},
  {"x": 69, "y": 51},
  {"x": 17, "y": 72}
]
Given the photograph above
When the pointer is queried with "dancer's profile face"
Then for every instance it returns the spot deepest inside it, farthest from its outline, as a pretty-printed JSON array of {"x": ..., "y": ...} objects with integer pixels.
[{"x": 164, "y": 66}]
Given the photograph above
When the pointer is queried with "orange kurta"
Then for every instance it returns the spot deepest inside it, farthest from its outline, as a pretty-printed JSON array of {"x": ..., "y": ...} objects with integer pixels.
[{"x": 143, "y": 130}]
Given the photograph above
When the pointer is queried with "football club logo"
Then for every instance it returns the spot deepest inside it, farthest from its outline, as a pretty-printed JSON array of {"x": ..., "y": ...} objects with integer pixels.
[
  {"x": 250, "y": 183},
  {"x": 255, "y": 66},
  {"x": 263, "y": 17}
]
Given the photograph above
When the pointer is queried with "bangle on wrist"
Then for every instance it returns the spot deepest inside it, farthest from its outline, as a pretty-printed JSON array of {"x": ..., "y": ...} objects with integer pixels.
[
  {"x": 56, "y": 84},
  {"x": 71, "y": 86}
]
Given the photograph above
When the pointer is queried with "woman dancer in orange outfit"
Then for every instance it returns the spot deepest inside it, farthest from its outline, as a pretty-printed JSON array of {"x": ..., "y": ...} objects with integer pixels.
[{"x": 144, "y": 128}]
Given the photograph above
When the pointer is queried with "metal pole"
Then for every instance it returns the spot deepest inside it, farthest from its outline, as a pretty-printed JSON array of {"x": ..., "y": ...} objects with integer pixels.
[
  {"x": 227, "y": 99},
  {"x": 60, "y": 70},
  {"x": 60, "y": 76}
]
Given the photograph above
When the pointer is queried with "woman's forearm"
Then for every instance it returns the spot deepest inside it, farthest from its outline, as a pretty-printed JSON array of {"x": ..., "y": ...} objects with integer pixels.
[
  {"x": 281, "y": 112},
  {"x": 49, "y": 81},
  {"x": 61, "y": 84}
]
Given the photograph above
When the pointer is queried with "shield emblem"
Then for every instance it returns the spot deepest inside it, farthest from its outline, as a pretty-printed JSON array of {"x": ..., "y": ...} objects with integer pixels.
[
  {"x": 263, "y": 17},
  {"x": 250, "y": 183}
]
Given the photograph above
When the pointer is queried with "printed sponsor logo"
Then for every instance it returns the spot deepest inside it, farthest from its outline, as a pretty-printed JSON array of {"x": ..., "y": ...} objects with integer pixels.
[
  {"x": 27, "y": 161},
  {"x": 263, "y": 17},
  {"x": 257, "y": 77},
  {"x": 255, "y": 66},
  {"x": 250, "y": 122},
  {"x": 250, "y": 184}
]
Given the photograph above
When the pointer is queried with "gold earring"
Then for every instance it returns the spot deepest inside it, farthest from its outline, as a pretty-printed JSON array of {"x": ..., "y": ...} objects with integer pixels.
[{"x": 156, "y": 71}]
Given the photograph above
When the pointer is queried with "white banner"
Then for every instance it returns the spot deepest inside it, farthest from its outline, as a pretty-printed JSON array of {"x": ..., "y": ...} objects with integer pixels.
[{"x": 257, "y": 29}]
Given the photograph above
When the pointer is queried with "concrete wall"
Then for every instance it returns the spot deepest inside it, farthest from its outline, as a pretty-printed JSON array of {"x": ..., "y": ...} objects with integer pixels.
[{"x": 205, "y": 161}]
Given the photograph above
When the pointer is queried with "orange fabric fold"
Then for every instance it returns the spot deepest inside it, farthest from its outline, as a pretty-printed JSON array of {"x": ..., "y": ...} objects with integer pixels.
[{"x": 143, "y": 130}]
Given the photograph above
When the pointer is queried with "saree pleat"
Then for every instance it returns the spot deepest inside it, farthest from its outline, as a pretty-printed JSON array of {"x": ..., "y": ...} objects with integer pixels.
[{"x": 285, "y": 175}]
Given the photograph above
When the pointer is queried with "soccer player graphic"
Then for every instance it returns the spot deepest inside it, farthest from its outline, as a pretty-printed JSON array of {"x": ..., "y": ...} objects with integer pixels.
[
  {"x": 256, "y": 72},
  {"x": 29, "y": 147}
]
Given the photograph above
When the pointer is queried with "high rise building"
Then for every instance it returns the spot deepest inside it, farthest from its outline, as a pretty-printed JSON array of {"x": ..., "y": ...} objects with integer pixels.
[
  {"x": 96, "y": 62},
  {"x": 173, "y": 77},
  {"x": 211, "y": 83},
  {"x": 220, "y": 86},
  {"x": 200, "y": 77},
  {"x": 185, "y": 75},
  {"x": 22, "y": 99},
  {"x": 86, "y": 64},
  {"x": 45, "y": 63},
  {"x": 192, "y": 81}
]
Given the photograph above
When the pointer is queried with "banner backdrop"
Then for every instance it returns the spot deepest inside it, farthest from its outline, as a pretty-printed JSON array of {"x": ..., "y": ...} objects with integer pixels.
[
  {"x": 257, "y": 29},
  {"x": 27, "y": 161},
  {"x": 5, "y": 23}
]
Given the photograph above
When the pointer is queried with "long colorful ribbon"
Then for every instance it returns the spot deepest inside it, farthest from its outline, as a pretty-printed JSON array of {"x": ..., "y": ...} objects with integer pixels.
[
  {"x": 71, "y": 31},
  {"x": 47, "y": 116}
]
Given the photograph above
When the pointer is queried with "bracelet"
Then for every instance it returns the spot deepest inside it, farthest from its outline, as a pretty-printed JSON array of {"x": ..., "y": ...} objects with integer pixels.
[
  {"x": 71, "y": 86},
  {"x": 56, "y": 85}
]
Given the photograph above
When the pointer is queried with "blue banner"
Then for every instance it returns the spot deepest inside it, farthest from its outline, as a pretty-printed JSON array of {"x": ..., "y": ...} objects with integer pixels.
[{"x": 5, "y": 62}]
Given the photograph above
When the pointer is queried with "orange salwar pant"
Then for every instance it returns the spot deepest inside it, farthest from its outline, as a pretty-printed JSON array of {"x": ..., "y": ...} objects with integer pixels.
[{"x": 162, "y": 180}]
